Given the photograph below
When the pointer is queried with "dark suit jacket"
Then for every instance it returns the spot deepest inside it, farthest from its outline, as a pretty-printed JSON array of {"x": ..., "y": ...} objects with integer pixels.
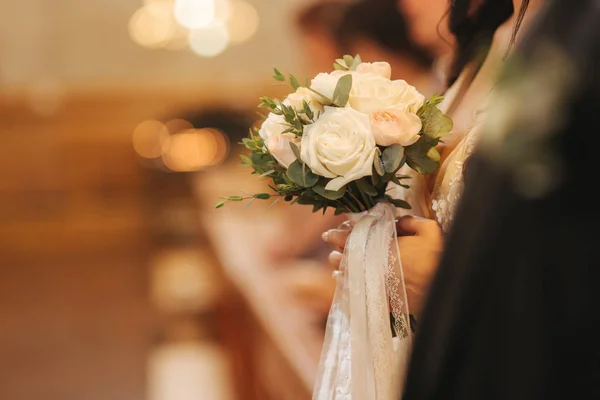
[{"x": 514, "y": 312}]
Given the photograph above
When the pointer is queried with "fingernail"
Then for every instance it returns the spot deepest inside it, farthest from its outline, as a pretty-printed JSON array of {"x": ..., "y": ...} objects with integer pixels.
[{"x": 325, "y": 236}]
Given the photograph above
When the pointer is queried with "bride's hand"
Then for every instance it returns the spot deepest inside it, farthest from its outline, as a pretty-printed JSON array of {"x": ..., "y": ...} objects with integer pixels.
[
  {"x": 337, "y": 239},
  {"x": 421, "y": 243}
]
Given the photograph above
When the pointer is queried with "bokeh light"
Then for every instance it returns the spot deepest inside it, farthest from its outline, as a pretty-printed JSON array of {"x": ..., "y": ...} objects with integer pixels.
[
  {"x": 243, "y": 22},
  {"x": 189, "y": 370},
  {"x": 195, "y": 149},
  {"x": 209, "y": 41},
  {"x": 178, "y": 125},
  {"x": 194, "y": 14},
  {"x": 149, "y": 138},
  {"x": 153, "y": 25}
]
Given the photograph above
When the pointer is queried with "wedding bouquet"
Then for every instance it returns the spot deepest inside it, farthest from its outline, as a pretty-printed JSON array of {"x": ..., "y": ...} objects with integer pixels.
[{"x": 338, "y": 142}]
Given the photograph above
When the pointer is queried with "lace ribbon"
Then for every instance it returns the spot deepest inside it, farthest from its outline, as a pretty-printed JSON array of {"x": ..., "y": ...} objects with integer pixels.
[{"x": 364, "y": 356}]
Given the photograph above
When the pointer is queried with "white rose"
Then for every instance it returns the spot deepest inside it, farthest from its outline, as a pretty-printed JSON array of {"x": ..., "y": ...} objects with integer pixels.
[
  {"x": 373, "y": 92},
  {"x": 378, "y": 68},
  {"x": 301, "y": 95},
  {"x": 395, "y": 126},
  {"x": 339, "y": 145},
  {"x": 279, "y": 147},
  {"x": 325, "y": 84},
  {"x": 274, "y": 125}
]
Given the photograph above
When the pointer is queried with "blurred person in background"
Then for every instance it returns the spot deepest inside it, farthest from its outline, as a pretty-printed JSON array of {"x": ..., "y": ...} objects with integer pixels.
[{"x": 375, "y": 29}]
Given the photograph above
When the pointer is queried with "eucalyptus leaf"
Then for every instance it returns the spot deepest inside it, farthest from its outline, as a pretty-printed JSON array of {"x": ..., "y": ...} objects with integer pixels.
[
  {"x": 308, "y": 177},
  {"x": 392, "y": 158},
  {"x": 434, "y": 154},
  {"x": 340, "y": 211},
  {"x": 329, "y": 194},
  {"x": 366, "y": 187},
  {"x": 278, "y": 76},
  {"x": 245, "y": 160},
  {"x": 378, "y": 164},
  {"x": 357, "y": 61},
  {"x": 348, "y": 60},
  {"x": 296, "y": 174},
  {"x": 269, "y": 172},
  {"x": 295, "y": 150},
  {"x": 435, "y": 124},
  {"x": 341, "y": 94},
  {"x": 417, "y": 159},
  {"x": 262, "y": 196},
  {"x": 294, "y": 82},
  {"x": 399, "y": 203}
]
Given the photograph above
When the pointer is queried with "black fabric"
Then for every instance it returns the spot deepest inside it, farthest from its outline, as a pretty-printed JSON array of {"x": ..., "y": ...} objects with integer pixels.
[{"x": 514, "y": 310}]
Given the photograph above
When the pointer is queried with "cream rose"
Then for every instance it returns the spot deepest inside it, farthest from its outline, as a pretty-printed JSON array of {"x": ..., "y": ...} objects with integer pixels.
[
  {"x": 325, "y": 84},
  {"x": 372, "y": 92},
  {"x": 301, "y": 95},
  {"x": 378, "y": 68},
  {"x": 274, "y": 125},
  {"x": 279, "y": 147},
  {"x": 395, "y": 126},
  {"x": 340, "y": 145}
]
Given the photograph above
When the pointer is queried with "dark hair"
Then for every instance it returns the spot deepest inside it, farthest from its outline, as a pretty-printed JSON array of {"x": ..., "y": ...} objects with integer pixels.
[
  {"x": 322, "y": 15},
  {"x": 381, "y": 22},
  {"x": 377, "y": 20},
  {"x": 474, "y": 31}
]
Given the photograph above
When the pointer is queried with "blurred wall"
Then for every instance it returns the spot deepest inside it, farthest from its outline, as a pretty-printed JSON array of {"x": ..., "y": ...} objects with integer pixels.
[{"x": 88, "y": 43}]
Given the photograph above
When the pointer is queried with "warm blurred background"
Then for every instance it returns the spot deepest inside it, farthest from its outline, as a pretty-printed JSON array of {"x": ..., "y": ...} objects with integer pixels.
[{"x": 119, "y": 121}]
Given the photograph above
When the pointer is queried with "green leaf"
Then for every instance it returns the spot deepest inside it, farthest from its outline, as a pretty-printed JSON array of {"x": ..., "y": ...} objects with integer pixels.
[
  {"x": 399, "y": 203},
  {"x": 329, "y": 194},
  {"x": 341, "y": 94},
  {"x": 340, "y": 210},
  {"x": 378, "y": 164},
  {"x": 262, "y": 196},
  {"x": 417, "y": 159},
  {"x": 301, "y": 176},
  {"x": 307, "y": 111},
  {"x": 435, "y": 124},
  {"x": 366, "y": 187},
  {"x": 220, "y": 204},
  {"x": 245, "y": 160},
  {"x": 375, "y": 178},
  {"x": 296, "y": 151},
  {"x": 435, "y": 99},
  {"x": 278, "y": 76},
  {"x": 235, "y": 198},
  {"x": 269, "y": 172},
  {"x": 340, "y": 65},
  {"x": 294, "y": 82},
  {"x": 326, "y": 100},
  {"x": 348, "y": 60},
  {"x": 434, "y": 154},
  {"x": 397, "y": 180},
  {"x": 392, "y": 158},
  {"x": 308, "y": 177},
  {"x": 357, "y": 61}
]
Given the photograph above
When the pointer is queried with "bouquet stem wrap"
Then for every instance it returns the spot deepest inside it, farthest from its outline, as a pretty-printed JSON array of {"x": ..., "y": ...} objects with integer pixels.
[{"x": 365, "y": 354}]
